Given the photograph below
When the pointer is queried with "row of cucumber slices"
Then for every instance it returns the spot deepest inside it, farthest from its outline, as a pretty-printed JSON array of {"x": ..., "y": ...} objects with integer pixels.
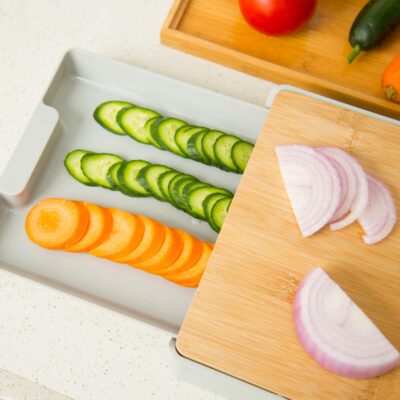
[
  {"x": 140, "y": 178},
  {"x": 211, "y": 147}
]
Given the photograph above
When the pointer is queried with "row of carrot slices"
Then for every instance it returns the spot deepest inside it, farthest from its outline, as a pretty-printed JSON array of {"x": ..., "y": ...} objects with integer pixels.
[{"x": 119, "y": 236}]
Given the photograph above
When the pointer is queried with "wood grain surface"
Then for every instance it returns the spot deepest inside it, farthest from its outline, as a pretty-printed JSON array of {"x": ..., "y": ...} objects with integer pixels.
[
  {"x": 314, "y": 59},
  {"x": 240, "y": 321}
]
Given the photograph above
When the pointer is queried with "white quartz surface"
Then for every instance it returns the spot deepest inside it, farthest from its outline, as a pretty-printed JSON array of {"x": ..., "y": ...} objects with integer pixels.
[{"x": 50, "y": 341}]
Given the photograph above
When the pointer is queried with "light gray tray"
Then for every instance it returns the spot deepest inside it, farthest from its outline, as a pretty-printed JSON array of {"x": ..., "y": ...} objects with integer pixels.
[{"x": 62, "y": 122}]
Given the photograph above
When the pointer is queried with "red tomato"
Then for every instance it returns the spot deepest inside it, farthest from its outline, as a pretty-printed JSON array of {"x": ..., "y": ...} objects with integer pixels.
[{"x": 277, "y": 17}]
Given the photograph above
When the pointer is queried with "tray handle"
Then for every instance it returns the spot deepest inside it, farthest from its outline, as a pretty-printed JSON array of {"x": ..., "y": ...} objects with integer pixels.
[{"x": 19, "y": 177}]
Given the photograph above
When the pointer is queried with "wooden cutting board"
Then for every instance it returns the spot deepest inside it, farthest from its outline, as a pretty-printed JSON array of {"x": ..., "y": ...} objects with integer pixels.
[
  {"x": 314, "y": 59},
  {"x": 240, "y": 321}
]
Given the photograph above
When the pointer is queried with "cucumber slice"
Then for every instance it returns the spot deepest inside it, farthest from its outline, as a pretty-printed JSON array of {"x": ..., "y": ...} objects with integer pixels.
[
  {"x": 96, "y": 166},
  {"x": 128, "y": 174},
  {"x": 148, "y": 177},
  {"x": 177, "y": 188},
  {"x": 174, "y": 201},
  {"x": 147, "y": 128},
  {"x": 133, "y": 120},
  {"x": 208, "y": 145},
  {"x": 183, "y": 135},
  {"x": 241, "y": 152},
  {"x": 223, "y": 152},
  {"x": 163, "y": 132},
  {"x": 197, "y": 197},
  {"x": 195, "y": 147},
  {"x": 180, "y": 189},
  {"x": 219, "y": 211},
  {"x": 72, "y": 162},
  {"x": 209, "y": 204},
  {"x": 112, "y": 177},
  {"x": 190, "y": 187},
  {"x": 163, "y": 182},
  {"x": 106, "y": 115}
]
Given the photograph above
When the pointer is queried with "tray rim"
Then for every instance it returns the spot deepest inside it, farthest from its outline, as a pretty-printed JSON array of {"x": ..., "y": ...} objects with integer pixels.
[{"x": 170, "y": 35}]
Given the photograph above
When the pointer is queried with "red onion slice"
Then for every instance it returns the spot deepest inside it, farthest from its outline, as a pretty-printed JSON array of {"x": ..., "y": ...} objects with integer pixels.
[
  {"x": 336, "y": 333},
  {"x": 312, "y": 184},
  {"x": 348, "y": 179},
  {"x": 380, "y": 215},
  {"x": 357, "y": 194}
]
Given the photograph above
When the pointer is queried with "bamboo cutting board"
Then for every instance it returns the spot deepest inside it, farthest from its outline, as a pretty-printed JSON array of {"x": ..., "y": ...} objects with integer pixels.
[
  {"x": 240, "y": 321},
  {"x": 314, "y": 59}
]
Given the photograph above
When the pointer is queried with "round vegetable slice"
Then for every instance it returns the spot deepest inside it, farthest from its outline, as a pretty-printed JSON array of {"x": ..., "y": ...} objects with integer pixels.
[
  {"x": 195, "y": 147},
  {"x": 223, "y": 152},
  {"x": 163, "y": 182},
  {"x": 106, "y": 115},
  {"x": 112, "y": 177},
  {"x": 133, "y": 121},
  {"x": 127, "y": 231},
  {"x": 208, "y": 205},
  {"x": 191, "y": 252},
  {"x": 208, "y": 142},
  {"x": 192, "y": 276},
  {"x": 354, "y": 196},
  {"x": 128, "y": 174},
  {"x": 72, "y": 163},
  {"x": 183, "y": 135},
  {"x": 148, "y": 178},
  {"x": 152, "y": 239},
  {"x": 99, "y": 227},
  {"x": 241, "y": 152},
  {"x": 219, "y": 211},
  {"x": 380, "y": 215},
  {"x": 57, "y": 223},
  {"x": 163, "y": 132},
  {"x": 312, "y": 185},
  {"x": 336, "y": 333},
  {"x": 169, "y": 251},
  {"x": 147, "y": 128},
  {"x": 96, "y": 166}
]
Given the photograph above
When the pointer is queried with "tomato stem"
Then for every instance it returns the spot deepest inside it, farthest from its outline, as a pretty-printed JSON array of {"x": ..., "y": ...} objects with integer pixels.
[{"x": 356, "y": 51}]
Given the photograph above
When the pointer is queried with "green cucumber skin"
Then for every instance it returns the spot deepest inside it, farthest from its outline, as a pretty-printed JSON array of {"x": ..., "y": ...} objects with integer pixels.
[
  {"x": 98, "y": 116},
  {"x": 83, "y": 179},
  {"x": 373, "y": 23}
]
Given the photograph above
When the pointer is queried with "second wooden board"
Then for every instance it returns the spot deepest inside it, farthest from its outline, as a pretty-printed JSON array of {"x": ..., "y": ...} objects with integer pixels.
[
  {"x": 241, "y": 320},
  {"x": 314, "y": 59}
]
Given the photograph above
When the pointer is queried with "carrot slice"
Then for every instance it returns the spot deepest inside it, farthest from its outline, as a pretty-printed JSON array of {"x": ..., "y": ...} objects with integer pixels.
[
  {"x": 168, "y": 253},
  {"x": 126, "y": 233},
  {"x": 99, "y": 228},
  {"x": 56, "y": 223},
  {"x": 210, "y": 245},
  {"x": 152, "y": 239},
  {"x": 191, "y": 252},
  {"x": 192, "y": 276}
]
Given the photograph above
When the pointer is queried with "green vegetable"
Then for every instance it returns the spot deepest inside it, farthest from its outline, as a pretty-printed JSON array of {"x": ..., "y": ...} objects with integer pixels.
[{"x": 373, "y": 23}]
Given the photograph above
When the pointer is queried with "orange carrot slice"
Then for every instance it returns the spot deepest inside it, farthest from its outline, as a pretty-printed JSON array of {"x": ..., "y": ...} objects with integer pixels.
[
  {"x": 99, "y": 228},
  {"x": 152, "y": 239},
  {"x": 191, "y": 252},
  {"x": 166, "y": 255},
  {"x": 192, "y": 276},
  {"x": 56, "y": 223},
  {"x": 126, "y": 233}
]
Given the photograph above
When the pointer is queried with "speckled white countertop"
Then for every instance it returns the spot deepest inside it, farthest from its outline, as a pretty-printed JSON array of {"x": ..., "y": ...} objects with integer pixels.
[{"x": 55, "y": 346}]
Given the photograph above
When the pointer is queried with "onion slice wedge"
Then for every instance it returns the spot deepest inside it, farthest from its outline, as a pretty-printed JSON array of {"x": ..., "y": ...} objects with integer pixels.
[
  {"x": 348, "y": 179},
  {"x": 380, "y": 215},
  {"x": 336, "y": 333},
  {"x": 312, "y": 184},
  {"x": 357, "y": 187}
]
